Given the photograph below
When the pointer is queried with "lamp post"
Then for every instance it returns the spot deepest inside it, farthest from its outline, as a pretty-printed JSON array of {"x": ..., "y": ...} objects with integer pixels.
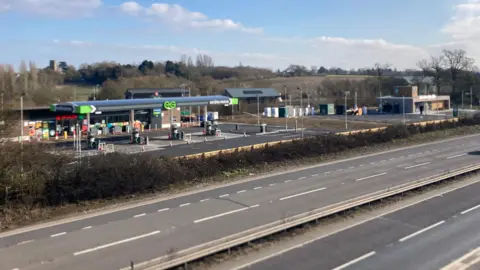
[
  {"x": 302, "y": 109},
  {"x": 403, "y": 100},
  {"x": 258, "y": 110},
  {"x": 345, "y": 109},
  {"x": 286, "y": 111}
]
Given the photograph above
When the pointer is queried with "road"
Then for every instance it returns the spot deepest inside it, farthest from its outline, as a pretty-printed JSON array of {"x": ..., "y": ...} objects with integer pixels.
[
  {"x": 427, "y": 236},
  {"x": 111, "y": 240}
]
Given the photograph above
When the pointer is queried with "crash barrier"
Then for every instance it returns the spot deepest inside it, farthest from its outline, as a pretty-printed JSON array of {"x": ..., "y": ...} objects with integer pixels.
[
  {"x": 186, "y": 256},
  {"x": 265, "y": 145}
]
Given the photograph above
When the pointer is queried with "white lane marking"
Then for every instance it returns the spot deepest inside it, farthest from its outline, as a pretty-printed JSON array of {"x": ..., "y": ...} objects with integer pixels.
[
  {"x": 16, "y": 269},
  {"x": 241, "y": 191},
  {"x": 328, "y": 172},
  {"x": 140, "y": 215},
  {"x": 395, "y": 209},
  {"x": 58, "y": 234},
  {"x": 204, "y": 200},
  {"x": 373, "y": 163},
  {"x": 257, "y": 187},
  {"x": 271, "y": 185},
  {"x": 288, "y": 181},
  {"x": 185, "y": 204},
  {"x": 86, "y": 228},
  {"x": 115, "y": 243},
  {"x": 418, "y": 165},
  {"x": 25, "y": 242},
  {"x": 402, "y": 157},
  {"x": 392, "y": 158},
  {"x": 163, "y": 210},
  {"x": 303, "y": 193},
  {"x": 470, "y": 209},
  {"x": 224, "y": 195},
  {"x": 313, "y": 175},
  {"x": 382, "y": 161},
  {"x": 421, "y": 231},
  {"x": 303, "y": 177},
  {"x": 351, "y": 167},
  {"x": 224, "y": 214},
  {"x": 461, "y": 155},
  {"x": 371, "y": 176},
  {"x": 339, "y": 170},
  {"x": 352, "y": 262},
  {"x": 362, "y": 165}
]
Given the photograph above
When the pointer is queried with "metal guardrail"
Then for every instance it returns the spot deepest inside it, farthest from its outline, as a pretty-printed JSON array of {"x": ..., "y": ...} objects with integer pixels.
[
  {"x": 264, "y": 145},
  {"x": 203, "y": 250}
]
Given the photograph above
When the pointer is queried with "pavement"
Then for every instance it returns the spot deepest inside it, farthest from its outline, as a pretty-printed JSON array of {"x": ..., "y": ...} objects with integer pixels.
[
  {"x": 428, "y": 236},
  {"x": 111, "y": 240}
]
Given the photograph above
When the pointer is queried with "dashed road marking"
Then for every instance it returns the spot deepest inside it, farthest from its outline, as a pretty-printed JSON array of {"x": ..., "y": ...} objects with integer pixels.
[
  {"x": 461, "y": 155},
  {"x": 224, "y": 214},
  {"x": 271, "y": 185},
  {"x": 25, "y": 242},
  {"x": 86, "y": 228},
  {"x": 301, "y": 194},
  {"x": 470, "y": 209},
  {"x": 204, "y": 200},
  {"x": 165, "y": 209},
  {"x": 421, "y": 231},
  {"x": 361, "y": 258},
  {"x": 58, "y": 234},
  {"x": 241, "y": 191},
  {"x": 257, "y": 187},
  {"x": 314, "y": 175},
  {"x": 303, "y": 177},
  {"x": 287, "y": 181},
  {"x": 185, "y": 204},
  {"x": 418, "y": 165},
  {"x": 140, "y": 215}
]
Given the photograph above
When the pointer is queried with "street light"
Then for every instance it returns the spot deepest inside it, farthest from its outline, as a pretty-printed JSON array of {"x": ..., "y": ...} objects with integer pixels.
[
  {"x": 301, "y": 107},
  {"x": 258, "y": 110},
  {"x": 403, "y": 100},
  {"x": 286, "y": 110},
  {"x": 345, "y": 109}
]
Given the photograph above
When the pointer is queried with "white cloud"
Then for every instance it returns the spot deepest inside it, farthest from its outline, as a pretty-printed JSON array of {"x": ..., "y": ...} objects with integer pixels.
[
  {"x": 54, "y": 8},
  {"x": 179, "y": 16}
]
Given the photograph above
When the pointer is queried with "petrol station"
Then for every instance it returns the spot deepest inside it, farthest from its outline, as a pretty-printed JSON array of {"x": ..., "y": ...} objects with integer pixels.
[{"x": 135, "y": 115}]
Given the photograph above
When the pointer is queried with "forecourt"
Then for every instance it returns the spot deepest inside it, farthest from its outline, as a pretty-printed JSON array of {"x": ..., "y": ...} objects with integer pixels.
[
  {"x": 428, "y": 236},
  {"x": 111, "y": 240}
]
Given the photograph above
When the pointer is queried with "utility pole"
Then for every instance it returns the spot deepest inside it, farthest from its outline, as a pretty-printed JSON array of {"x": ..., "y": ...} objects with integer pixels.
[
  {"x": 471, "y": 98},
  {"x": 403, "y": 100},
  {"x": 380, "y": 88}
]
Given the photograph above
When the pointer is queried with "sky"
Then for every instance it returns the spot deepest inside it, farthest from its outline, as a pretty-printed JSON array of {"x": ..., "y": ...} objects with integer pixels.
[{"x": 263, "y": 33}]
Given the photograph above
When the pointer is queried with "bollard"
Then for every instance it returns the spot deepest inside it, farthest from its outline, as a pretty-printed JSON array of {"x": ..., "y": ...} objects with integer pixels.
[
  {"x": 205, "y": 139},
  {"x": 65, "y": 135},
  {"x": 171, "y": 144}
]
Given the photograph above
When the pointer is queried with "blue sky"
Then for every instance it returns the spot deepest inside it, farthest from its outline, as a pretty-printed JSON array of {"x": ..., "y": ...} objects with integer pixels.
[{"x": 346, "y": 33}]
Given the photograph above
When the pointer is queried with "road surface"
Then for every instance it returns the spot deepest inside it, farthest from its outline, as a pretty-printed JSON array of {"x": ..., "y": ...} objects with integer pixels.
[
  {"x": 111, "y": 240},
  {"x": 426, "y": 236}
]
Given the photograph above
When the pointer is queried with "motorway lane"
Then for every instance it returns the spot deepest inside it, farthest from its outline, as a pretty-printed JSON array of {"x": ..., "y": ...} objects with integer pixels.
[
  {"x": 427, "y": 235},
  {"x": 179, "y": 230},
  {"x": 336, "y": 171}
]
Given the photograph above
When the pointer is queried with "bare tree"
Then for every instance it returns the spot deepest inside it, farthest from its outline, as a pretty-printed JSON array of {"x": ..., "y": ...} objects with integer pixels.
[
  {"x": 33, "y": 75},
  {"x": 190, "y": 62},
  {"x": 457, "y": 61},
  {"x": 183, "y": 59},
  {"x": 433, "y": 68},
  {"x": 23, "y": 77},
  {"x": 379, "y": 70}
]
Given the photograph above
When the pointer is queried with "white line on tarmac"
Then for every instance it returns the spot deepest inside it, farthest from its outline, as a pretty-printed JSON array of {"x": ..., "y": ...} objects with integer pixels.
[
  {"x": 115, "y": 243},
  {"x": 185, "y": 204},
  {"x": 371, "y": 176},
  {"x": 421, "y": 231},
  {"x": 204, "y": 200},
  {"x": 313, "y": 175},
  {"x": 224, "y": 195},
  {"x": 303, "y": 193},
  {"x": 162, "y": 210},
  {"x": 352, "y": 262},
  {"x": 86, "y": 228},
  {"x": 25, "y": 242},
  {"x": 257, "y": 187},
  {"x": 140, "y": 215},
  {"x": 288, "y": 181},
  {"x": 470, "y": 209},
  {"x": 461, "y": 155},
  {"x": 224, "y": 214},
  {"x": 328, "y": 172},
  {"x": 241, "y": 191},
  {"x": 303, "y": 177},
  {"x": 58, "y": 234},
  {"x": 418, "y": 165},
  {"x": 272, "y": 185}
]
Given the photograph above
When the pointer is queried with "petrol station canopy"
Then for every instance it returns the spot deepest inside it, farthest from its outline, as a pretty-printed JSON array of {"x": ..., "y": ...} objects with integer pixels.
[{"x": 98, "y": 106}]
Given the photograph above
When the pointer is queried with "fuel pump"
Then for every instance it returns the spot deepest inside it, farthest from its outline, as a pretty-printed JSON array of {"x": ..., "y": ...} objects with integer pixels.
[
  {"x": 175, "y": 133},
  {"x": 212, "y": 127},
  {"x": 136, "y": 136},
  {"x": 92, "y": 142}
]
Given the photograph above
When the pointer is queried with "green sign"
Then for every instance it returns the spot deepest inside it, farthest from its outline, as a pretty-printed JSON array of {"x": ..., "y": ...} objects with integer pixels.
[
  {"x": 234, "y": 101},
  {"x": 169, "y": 105}
]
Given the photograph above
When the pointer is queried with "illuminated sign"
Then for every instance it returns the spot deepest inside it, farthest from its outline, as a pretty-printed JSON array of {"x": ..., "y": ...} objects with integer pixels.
[
  {"x": 170, "y": 105},
  {"x": 69, "y": 117},
  {"x": 214, "y": 102}
]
